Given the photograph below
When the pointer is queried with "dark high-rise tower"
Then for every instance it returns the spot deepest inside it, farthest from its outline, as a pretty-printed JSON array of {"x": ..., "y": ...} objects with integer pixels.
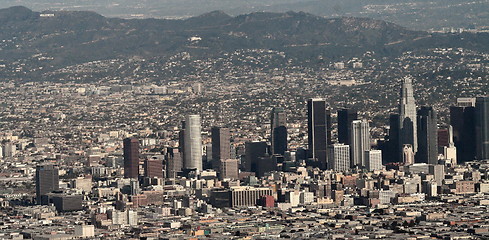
[
  {"x": 253, "y": 152},
  {"x": 131, "y": 158},
  {"x": 174, "y": 162},
  {"x": 181, "y": 141},
  {"x": 443, "y": 139},
  {"x": 393, "y": 150},
  {"x": 279, "y": 140},
  {"x": 345, "y": 118},
  {"x": 407, "y": 113},
  {"x": 229, "y": 169},
  {"x": 278, "y": 131},
  {"x": 153, "y": 168},
  {"x": 47, "y": 180},
  {"x": 221, "y": 145},
  {"x": 462, "y": 119},
  {"x": 427, "y": 136},
  {"x": 482, "y": 127},
  {"x": 318, "y": 125}
]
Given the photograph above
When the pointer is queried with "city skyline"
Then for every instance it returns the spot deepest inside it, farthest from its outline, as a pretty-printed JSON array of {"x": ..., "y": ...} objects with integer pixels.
[
  {"x": 347, "y": 167},
  {"x": 266, "y": 125}
]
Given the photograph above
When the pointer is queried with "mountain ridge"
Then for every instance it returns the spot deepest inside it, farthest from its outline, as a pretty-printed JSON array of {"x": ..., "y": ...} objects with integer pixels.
[
  {"x": 414, "y": 14},
  {"x": 68, "y": 38}
]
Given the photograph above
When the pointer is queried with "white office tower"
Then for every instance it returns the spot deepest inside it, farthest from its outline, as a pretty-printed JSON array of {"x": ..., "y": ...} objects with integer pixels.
[
  {"x": 407, "y": 154},
  {"x": 339, "y": 157},
  {"x": 9, "y": 149},
  {"x": 85, "y": 231},
  {"x": 126, "y": 218},
  {"x": 360, "y": 142},
  {"x": 407, "y": 115},
  {"x": 450, "y": 152},
  {"x": 193, "y": 143},
  {"x": 373, "y": 160}
]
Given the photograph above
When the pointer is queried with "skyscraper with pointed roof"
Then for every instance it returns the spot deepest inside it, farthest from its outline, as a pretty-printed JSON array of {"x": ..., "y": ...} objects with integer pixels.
[{"x": 407, "y": 113}]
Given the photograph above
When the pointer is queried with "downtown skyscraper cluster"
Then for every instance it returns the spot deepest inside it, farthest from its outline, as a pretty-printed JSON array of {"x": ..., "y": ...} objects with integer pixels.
[{"x": 413, "y": 137}]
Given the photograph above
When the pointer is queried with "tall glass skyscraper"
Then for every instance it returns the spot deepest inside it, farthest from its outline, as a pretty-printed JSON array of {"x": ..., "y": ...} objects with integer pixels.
[
  {"x": 278, "y": 131},
  {"x": 193, "y": 143},
  {"x": 462, "y": 119},
  {"x": 47, "y": 180},
  {"x": 393, "y": 151},
  {"x": 482, "y": 127},
  {"x": 317, "y": 126},
  {"x": 174, "y": 162},
  {"x": 345, "y": 118},
  {"x": 221, "y": 145},
  {"x": 427, "y": 136},
  {"x": 253, "y": 152},
  {"x": 131, "y": 158},
  {"x": 407, "y": 113}
]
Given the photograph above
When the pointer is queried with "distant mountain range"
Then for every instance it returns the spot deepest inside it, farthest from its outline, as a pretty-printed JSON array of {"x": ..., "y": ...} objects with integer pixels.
[
  {"x": 72, "y": 37},
  {"x": 414, "y": 14}
]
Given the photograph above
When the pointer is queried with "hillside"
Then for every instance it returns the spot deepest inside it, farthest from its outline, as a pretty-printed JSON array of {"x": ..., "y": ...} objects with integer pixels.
[
  {"x": 52, "y": 40},
  {"x": 413, "y": 14}
]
